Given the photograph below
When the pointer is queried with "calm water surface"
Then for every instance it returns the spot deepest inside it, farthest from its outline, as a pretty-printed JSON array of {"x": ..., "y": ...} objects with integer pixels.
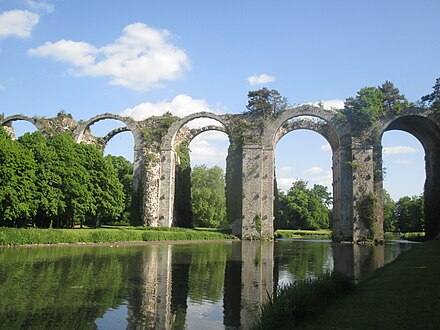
[{"x": 165, "y": 286}]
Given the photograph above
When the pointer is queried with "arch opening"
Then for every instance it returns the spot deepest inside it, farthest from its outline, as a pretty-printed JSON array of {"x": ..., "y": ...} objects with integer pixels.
[
  {"x": 427, "y": 132},
  {"x": 18, "y": 127},
  {"x": 303, "y": 172},
  {"x": 403, "y": 157},
  {"x": 201, "y": 147}
]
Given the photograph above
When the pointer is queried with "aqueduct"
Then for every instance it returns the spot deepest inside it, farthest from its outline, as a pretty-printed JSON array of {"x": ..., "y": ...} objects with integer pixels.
[{"x": 356, "y": 164}]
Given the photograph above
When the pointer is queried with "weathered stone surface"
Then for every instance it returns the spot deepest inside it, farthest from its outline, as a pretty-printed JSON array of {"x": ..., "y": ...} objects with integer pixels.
[{"x": 356, "y": 164}]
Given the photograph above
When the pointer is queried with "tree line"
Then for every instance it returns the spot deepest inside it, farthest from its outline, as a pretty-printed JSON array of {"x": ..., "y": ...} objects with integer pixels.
[
  {"x": 55, "y": 182},
  {"x": 300, "y": 207}
]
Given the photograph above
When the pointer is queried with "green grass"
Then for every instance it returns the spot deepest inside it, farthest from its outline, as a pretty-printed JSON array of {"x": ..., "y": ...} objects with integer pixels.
[
  {"x": 410, "y": 236},
  {"x": 402, "y": 295},
  {"x": 308, "y": 234},
  {"x": 20, "y": 236},
  {"x": 302, "y": 301}
]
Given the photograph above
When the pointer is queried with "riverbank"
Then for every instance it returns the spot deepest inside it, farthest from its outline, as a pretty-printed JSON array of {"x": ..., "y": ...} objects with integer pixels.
[
  {"x": 120, "y": 235},
  {"x": 402, "y": 295}
]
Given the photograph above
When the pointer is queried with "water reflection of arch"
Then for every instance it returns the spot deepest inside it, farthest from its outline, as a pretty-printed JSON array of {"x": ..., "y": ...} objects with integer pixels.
[
  {"x": 338, "y": 135},
  {"x": 7, "y": 121},
  {"x": 424, "y": 125},
  {"x": 169, "y": 158}
]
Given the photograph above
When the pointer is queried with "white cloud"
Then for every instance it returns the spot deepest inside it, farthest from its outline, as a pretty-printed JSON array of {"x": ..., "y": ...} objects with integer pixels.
[
  {"x": 324, "y": 180},
  {"x": 80, "y": 54},
  {"x": 399, "y": 150},
  {"x": 203, "y": 152},
  {"x": 43, "y": 6},
  {"x": 260, "y": 79},
  {"x": 182, "y": 105},
  {"x": 142, "y": 58},
  {"x": 284, "y": 171},
  {"x": 285, "y": 183},
  {"x": 18, "y": 23},
  {"x": 326, "y": 147},
  {"x": 313, "y": 170},
  {"x": 329, "y": 104},
  {"x": 2, "y": 88}
]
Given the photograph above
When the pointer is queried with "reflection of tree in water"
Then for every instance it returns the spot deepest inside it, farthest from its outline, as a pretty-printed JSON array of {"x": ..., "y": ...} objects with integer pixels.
[
  {"x": 304, "y": 259},
  {"x": 58, "y": 288},
  {"x": 207, "y": 271}
]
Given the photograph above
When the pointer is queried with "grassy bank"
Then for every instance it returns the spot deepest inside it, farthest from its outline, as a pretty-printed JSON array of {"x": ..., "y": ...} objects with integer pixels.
[
  {"x": 402, "y": 295},
  {"x": 20, "y": 236},
  {"x": 302, "y": 301},
  {"x": 307, "y": 234}
]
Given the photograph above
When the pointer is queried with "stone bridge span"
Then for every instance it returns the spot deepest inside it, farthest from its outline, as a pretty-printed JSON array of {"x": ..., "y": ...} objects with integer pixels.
[{"x": 356, "y": 163}]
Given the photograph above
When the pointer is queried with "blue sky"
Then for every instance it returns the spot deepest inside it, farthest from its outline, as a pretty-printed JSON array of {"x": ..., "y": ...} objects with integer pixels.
[{"x": 142, "y": 58}]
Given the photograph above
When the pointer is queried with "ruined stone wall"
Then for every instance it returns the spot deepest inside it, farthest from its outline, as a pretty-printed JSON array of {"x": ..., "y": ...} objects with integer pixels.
[{"x": 357, "y": 165}]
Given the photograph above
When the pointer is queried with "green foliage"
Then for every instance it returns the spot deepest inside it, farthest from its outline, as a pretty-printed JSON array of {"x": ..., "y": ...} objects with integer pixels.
[
  {"x": 409, "y": 214},
  {"x": 207, "y": 273},
  {"x": 302, "y": 301},
  {"x": 125, "y": 175},
  {"x": 305, "y": 234},
  {"x": 56, "y": 182},
  {"x": 371, "y": 104},
  {"x": 59, "y": 288},
  {"x": 365, "y": 207},
  {"x": 433, "y": 99},
  {"x": 303, "y": 208},
  {"x": 389, "y": 218},
  {"x": 20, "y": 236},
  {"x": 393, "y": 102},
  {"x": 266, "y": 103},
  {"x": 17, "y": 182},
  {"x": 208, "y": 196}
]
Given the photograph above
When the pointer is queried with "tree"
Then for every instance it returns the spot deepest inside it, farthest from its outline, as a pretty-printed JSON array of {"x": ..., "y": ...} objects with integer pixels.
[
  {"x": 389, "y": 218},
  {"x": 17, "y": 182},
  {"x": 433, "y": 99},
  {"x": 364, "y": 109},
  {"x": 303, "y": 208},
  {"x": 107, "y": 195},
  {"x": 410, "y": 214},
  {"x": 208, "y": 196},
  {"x": 394, "y": 102},
  {"x": 48, "y": 193},
  {"x": 372, "y": 103},
  {"x": 266, "y": 103},
  {"x": 125, "y": 175},
  {"x": 77, "y": 195}
]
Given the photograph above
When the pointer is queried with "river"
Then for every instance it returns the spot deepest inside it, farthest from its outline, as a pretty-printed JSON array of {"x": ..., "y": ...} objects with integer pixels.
[{"x": 165, "y": 286}]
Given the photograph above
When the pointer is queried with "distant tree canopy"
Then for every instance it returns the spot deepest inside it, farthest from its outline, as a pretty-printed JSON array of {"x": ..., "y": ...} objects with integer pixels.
[
  {"x": 303, "y": 208},
  {"x": 56, "y": 182},
  {"x": 208, "y": 196},
  {"x": 405, "y": 215},
  {"x": 409, "y": 214}
]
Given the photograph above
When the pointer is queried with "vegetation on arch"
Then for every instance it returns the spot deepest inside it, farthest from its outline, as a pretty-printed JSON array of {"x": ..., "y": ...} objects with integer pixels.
[
  {"x": 266, "y": 104},
  {"x": 371, "y": 104},
  {"x": 433, "y": 100}
]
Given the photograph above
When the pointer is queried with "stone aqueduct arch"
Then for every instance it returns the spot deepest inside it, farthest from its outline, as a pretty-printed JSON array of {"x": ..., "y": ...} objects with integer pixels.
[{"x": 356, "y": 166}]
